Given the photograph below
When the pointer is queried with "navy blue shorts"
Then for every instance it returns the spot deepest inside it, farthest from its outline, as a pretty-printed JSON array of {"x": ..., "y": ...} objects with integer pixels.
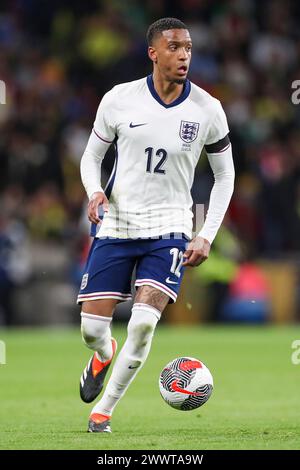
[{"x": 111, "y": 261}]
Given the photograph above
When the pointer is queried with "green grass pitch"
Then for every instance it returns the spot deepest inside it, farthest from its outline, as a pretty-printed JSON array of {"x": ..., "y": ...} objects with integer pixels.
[{"x": 255, "y": 403}]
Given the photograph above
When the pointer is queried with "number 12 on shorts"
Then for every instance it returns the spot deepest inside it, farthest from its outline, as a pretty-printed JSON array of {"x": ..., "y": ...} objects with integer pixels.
[{"x": 177, "y": 261}]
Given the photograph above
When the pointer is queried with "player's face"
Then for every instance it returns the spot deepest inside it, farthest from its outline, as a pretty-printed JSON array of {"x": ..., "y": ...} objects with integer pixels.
[{"x": 171, "y": 52}]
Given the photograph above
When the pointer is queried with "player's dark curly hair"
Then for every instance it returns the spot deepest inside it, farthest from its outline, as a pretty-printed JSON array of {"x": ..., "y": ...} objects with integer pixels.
[{"x": 163, "y": 25}]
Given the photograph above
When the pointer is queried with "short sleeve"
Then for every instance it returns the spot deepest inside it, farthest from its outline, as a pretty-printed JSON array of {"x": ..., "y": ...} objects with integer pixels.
[
  {"x": 105, "y": 125},
  {"x": 219, "y": 127}
]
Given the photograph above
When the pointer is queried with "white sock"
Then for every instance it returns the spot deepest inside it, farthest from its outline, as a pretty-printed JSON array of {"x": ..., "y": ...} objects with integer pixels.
[
  {"x": 131, "y": 357},
  {"x": 96, "y": 334}
]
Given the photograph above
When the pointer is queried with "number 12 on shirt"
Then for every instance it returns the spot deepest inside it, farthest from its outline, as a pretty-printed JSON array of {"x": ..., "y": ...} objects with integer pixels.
[{"x": 161, "y": 154}]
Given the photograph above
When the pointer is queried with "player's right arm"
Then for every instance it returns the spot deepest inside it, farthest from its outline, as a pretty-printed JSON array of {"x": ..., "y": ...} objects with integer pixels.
[
  {"x": 97, "y": 199},
  {"x": 102, "y": 136}
]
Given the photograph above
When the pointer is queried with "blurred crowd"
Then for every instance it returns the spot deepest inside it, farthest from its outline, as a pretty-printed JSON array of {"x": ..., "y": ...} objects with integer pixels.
[{"x": 58, "y": 58}]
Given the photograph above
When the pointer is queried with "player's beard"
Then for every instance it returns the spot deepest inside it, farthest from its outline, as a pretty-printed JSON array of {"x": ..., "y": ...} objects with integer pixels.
[{"x": 179, "y": 81}]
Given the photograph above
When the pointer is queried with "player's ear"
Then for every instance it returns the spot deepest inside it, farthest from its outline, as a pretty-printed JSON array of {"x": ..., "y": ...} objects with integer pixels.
[{"x": 152, "y": 54}]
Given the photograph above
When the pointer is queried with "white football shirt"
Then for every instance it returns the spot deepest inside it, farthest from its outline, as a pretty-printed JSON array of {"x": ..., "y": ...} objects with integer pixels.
[{"x": 157, "y": 149}]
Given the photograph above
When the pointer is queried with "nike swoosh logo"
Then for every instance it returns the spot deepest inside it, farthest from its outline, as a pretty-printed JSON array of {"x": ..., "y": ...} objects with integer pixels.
[
  {"x": 137, "y": 125},
  {"x": 168, "y": 280},
  {"x": 131, "y": 367},
  {"x": 175, "y": 387}
]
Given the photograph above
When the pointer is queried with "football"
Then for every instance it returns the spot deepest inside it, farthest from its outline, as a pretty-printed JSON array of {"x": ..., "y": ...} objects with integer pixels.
[{"x": 185, "y": 383}]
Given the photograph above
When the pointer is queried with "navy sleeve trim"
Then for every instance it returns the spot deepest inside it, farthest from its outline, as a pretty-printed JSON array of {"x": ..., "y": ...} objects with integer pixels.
[
  {"x": 101, "y": 138},
  {"x": 219, "y": 146}
]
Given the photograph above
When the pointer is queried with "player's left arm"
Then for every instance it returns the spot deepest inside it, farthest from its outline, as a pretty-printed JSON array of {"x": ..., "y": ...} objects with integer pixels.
[
  {"x": 219, "y": 155},
  {"x": 102, "y": 136}
]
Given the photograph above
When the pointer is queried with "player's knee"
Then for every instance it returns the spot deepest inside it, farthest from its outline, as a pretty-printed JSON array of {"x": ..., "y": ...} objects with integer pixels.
[
  {"x": 93, "y": 329},
  {"x": 140, "y": 333},
  {"x": 141, "y": 328},
  {"x": 140, "y": 338}
]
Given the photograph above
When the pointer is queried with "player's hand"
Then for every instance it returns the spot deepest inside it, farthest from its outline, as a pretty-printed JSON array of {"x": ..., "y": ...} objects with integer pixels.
[
  {"x": 197, "y": 252},
  {"x": 97, "y": 199}
]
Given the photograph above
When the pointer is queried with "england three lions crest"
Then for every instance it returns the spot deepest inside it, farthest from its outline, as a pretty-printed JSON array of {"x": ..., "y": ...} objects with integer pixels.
[{"x": 189, "y": 131}]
